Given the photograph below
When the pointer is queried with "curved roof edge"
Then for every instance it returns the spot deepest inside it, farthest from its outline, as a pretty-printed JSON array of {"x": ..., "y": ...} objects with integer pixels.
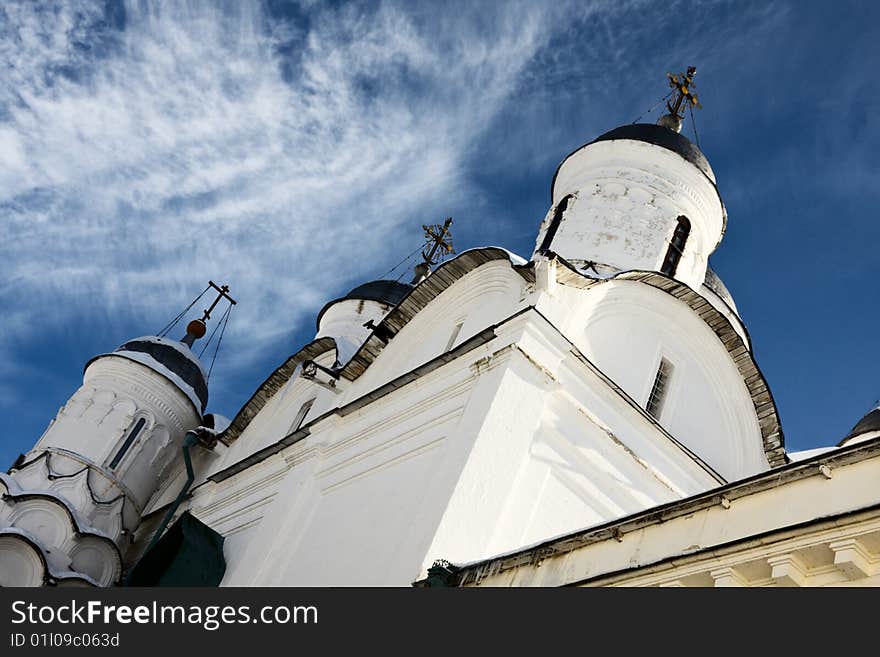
[
  {"x": 170, "y": 359},
  {"x": 174, "y": 356},
  {"x": 651, "y": 133},
  {"x": 89, "y": 466},
  {"x": 713, "y": 281},
  {"x": 454, "y": 269},
  {"x": 77, "y": 522},
  {"x": 756, "y": 384},
  {"x": 273, "y": 384}
]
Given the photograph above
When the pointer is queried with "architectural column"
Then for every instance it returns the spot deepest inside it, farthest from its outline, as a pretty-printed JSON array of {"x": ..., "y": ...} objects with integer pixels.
[
  {"x": 728, "y": 577},
  {"x": 852, "y": 558},
  {"x": 788, "y": 570}
]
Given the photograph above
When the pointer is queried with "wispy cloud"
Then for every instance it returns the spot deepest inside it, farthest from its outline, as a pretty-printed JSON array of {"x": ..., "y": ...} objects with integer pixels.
[
  {"x": 291, "y": 149},
  {"x": 146, "y": 150}
]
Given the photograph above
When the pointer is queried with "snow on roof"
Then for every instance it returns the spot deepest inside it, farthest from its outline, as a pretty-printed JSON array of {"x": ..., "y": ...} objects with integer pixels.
[
  {"x": 808, "y": 453},
  {"x": 173, "y": 360},
  {"x": 185, "y": 351},
  {"x": 514, "y": 258}
]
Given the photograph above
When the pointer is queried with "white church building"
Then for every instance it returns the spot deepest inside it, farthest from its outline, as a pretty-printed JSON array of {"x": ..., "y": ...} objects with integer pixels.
[{"x": 592, "y": 415}]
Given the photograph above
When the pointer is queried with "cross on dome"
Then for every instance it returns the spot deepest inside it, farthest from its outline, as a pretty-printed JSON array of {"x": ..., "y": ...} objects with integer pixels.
[{"x": 683, "y": 87}]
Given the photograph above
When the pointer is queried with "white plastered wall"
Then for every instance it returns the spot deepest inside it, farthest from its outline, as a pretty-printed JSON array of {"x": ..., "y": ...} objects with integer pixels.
[
  {"x": 625, "y": 327},
  {"x": 476, "y": 457}
]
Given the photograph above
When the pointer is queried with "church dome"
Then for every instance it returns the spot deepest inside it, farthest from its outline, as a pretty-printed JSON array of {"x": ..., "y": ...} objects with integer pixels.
[
  {"x": 349, "y": 319},
  {"x": 869, "y": 424},
  {"x": 639, "y": 197},
  {"x": 173, "y": 360},
  {"x": 718, "y": 287},
  {"x": 390, "y": 292},
  {"x": 663, "y": 137}
]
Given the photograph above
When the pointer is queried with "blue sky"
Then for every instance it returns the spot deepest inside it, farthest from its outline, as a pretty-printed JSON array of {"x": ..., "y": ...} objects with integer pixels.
[{"x": 293, "y": 150}]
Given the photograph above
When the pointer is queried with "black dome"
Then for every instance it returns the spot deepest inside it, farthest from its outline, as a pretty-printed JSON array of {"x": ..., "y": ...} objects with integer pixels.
[
  {"x": 657, "y": 135},
  {"x": 663, "y": 137},
  {"x": 390, "y": 292},
  {"x": 174, "y": 356},
  {"x": 871, "y": 422}
]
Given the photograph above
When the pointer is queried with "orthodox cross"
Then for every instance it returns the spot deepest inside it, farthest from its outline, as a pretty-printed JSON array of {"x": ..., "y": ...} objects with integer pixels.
[
  {"x": 437, "y": 238},
  {"x": 222, "y": 292},
  {"x": 683, "y": 84},
  {"x": 197, "y": 328}
]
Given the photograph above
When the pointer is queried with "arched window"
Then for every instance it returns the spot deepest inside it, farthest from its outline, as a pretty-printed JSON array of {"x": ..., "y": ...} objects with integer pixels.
[
  {"x": 676, "y": 246},
  {"x": 128, "y": 442},
  {"x": 561, "y": 207}
]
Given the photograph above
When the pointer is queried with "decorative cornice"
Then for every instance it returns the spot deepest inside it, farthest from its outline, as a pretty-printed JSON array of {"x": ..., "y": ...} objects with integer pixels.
[
  {"x": 138, "y": 390},
  {"x": 77, "y": 528},
  {"x": 49, "y": 577},
  {"x": 89, "y": 467}
]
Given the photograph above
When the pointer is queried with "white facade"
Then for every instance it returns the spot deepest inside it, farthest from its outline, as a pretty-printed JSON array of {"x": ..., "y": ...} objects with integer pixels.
[
  {"x": 815, "y": 522},
  {"x": 497, "y": 405}
]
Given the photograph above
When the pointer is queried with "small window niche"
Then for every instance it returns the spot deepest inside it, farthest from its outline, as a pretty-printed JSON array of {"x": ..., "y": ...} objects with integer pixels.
[
  {"x": 555, "y": 222},
  {"x": 454, "y": 335},
  {"x": 676, "y": 246},
  {"x": 659, "y": 389},
  {"x": 133, "y": 433},
  {"x": 301, "y": 415}
]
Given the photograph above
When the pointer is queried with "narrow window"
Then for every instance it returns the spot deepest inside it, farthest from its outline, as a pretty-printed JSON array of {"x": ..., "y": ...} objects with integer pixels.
[
  {"x": 129, "y": 440},
  {"x": 676, "y": 246},
  {"x": 659, "y": 389},
  {"x": 554, "y": 224},
  {"x": 454, "y": 336},
  {"x": 301, "y": 415}
]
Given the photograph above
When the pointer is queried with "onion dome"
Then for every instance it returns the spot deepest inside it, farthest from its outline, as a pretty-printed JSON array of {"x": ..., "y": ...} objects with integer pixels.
[
  {"x": 718, "y": 287},
  {"x": 172, "y": 359},
  {"x": 389, "y": 293},
  {"x": 350, "y": 319},
  {"x": 663, "y": 137},
  {"x": 639, "y": 197},
  {"x": 656, "y": 135},
  {"x": 869, "y": 424}
]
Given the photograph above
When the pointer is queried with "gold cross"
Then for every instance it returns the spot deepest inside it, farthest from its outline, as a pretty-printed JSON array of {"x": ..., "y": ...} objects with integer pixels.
[
  {"x": 437, "y": 237},
  {"x": 683, "y": 83}
]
